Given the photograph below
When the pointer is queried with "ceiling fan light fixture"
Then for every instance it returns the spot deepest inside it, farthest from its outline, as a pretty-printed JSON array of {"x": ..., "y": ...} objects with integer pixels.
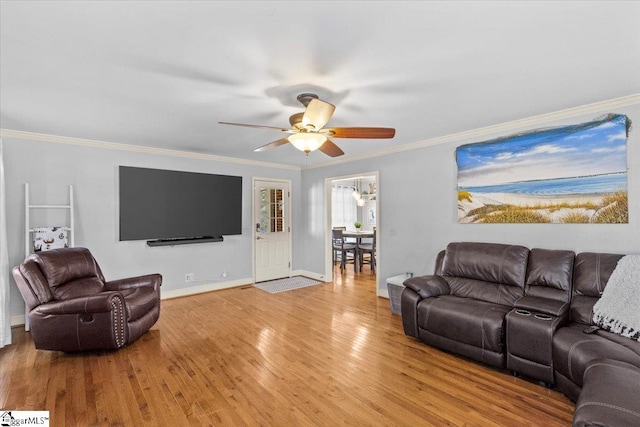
[
  {"x": 307, "y": 142},
  {"x": 308, "y": 133}
]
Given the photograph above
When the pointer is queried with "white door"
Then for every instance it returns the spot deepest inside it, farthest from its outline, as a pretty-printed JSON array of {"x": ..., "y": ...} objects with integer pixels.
[{"x": 272, "y": 230}]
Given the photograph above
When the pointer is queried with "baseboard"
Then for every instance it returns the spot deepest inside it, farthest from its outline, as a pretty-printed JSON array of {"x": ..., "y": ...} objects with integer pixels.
[
  {"x": 383, "y": 292},
  {"x": 207, "y": 287},
  {"x": 17, "y": 320},
  {"x": 310, "y": 275}
]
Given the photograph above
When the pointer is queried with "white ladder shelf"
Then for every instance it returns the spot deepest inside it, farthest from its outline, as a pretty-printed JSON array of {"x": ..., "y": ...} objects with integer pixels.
[{"x": 28, "y": 243}]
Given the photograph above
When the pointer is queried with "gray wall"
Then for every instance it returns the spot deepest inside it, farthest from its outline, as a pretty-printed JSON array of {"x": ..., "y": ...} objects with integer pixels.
[
  {"x": 50, "y": 168},
  {"x": 417, "y": 214},
  {"x": 418, "y": 209}
]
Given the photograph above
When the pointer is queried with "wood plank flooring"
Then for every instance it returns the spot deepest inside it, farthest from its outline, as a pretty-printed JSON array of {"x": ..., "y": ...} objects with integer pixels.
[{"x": 331, "y": 354}]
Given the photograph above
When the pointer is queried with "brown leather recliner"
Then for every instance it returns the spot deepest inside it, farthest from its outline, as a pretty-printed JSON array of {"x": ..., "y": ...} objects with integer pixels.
[{"x": 71, "y": 307}]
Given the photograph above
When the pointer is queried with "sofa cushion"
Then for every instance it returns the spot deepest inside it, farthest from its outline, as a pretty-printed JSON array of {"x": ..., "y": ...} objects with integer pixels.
[
  {"x": 549, "y": 274},
  {"x": 465, "y": 320},
  {"x": 574, "y": 351},
  {"x": 489, "y": 262},
  {"x": 78, "y": 288},
  {"x": 581, "y": 310},
  {"x": 591, "y": 272},
  {"x": 609, "y": 396},
  {"x": 494, "y": 293},
  {"x": 60, "y": 266},
  {"x": 486, "y": 271}
]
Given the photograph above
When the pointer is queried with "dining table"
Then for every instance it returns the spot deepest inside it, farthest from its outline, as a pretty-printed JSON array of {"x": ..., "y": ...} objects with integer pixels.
[{"x": 358, "y": 235}]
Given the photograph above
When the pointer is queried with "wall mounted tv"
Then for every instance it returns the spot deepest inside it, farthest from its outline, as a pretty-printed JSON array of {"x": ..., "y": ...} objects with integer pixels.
[{"x": 178, "y": 207}]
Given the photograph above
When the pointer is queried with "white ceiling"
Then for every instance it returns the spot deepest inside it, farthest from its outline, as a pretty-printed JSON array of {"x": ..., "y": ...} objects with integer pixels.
[{"x": 162, "y": 74}]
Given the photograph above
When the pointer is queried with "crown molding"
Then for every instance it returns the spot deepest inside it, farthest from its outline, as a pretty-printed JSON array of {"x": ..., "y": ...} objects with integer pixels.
[
  {"x": 43, "y": 137},
  {"x": 511, "y": 126}
]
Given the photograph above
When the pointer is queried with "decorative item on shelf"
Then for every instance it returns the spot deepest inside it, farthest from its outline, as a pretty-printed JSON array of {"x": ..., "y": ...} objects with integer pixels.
[
  {"x": 357, "y": 224},
  {"x": 46, "y": 238}
]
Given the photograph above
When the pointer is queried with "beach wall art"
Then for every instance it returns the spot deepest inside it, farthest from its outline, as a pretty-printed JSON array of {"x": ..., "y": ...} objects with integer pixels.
[{"x": 569, "y": 174}]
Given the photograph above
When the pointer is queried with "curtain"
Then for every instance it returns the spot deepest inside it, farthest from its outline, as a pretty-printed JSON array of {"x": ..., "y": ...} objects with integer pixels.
[
  {"x": 343, "y": 207},
  {"x": 5, "y": 311}
]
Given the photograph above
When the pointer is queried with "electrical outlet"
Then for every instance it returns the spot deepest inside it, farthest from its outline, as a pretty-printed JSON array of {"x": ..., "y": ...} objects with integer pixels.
[
  {"x": 224, "y": 274},
  {"x": 189, "y": 277}
]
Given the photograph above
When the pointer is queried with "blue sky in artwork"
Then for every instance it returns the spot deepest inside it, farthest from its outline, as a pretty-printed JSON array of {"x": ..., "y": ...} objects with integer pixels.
[{"x": 561, "y": 152}]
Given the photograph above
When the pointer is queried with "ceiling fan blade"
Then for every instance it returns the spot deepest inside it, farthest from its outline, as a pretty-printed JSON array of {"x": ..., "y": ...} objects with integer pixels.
[
  {"x": 295, "y": 119},
  {"x": 331, "y": 149},
  {"x": 317, "y": 114},
  {"x": 360, "y": 132},
  {"x": 273, "y": 144},
  {"x": 257, "y": 126}
]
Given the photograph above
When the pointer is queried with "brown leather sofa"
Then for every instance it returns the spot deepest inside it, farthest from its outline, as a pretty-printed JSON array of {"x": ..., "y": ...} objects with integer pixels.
[
  {"x": 71, "y": 307},
  {"x": 527, "y": 311}
]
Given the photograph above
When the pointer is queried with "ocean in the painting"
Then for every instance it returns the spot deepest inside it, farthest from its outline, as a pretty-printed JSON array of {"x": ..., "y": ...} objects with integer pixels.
[{"x": 597, "y": 184}]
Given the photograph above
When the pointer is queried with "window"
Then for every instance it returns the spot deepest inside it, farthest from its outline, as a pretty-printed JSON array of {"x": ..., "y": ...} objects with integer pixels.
[
  {"x": 271, "y": 210},
  {"x": 343, "y": 207}
]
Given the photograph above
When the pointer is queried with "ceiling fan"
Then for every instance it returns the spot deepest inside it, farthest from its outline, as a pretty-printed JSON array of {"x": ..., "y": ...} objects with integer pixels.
[{"x": 309, "y": 134}]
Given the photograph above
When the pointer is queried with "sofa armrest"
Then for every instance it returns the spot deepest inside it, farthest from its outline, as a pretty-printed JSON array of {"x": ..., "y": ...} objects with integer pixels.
[
  {"x": 98, "y": 303},
  {"x": 543, "y": 305},
  {"x": 409, "y": 310},
  {"x": 427, "y": 286},
  {"x": 150, "y": 280}
]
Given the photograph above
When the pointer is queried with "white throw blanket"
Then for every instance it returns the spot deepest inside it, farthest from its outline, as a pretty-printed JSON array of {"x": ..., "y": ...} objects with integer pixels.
[{"x": 618, "y": 309}]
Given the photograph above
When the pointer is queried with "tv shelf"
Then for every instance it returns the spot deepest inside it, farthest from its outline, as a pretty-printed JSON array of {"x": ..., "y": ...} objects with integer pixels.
[{"x": 184, "y": 241}]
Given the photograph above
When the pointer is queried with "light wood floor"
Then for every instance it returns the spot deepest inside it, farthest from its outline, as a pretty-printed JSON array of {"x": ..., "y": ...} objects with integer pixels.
[{"x": 331, "y": 354}]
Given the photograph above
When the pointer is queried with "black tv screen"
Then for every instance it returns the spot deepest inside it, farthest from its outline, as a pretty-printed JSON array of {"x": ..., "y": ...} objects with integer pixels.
[{"x": 164, "y": 204}]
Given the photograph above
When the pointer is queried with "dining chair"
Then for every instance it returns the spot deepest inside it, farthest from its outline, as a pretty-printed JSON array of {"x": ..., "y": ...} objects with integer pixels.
[
  {"x": 346, "y": 239},
  {"x": 368, "y": 248},
  {"x": 346, "y": 251}
]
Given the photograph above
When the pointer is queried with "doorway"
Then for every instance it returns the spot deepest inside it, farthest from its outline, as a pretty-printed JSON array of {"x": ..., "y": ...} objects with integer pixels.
[
  {"x": 272, "y": 229},
  {"x": 353, "y": 199}
]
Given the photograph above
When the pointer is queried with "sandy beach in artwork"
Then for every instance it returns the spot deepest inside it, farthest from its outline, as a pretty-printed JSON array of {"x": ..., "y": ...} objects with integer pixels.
[
  {"x": 537, "y": 200},
  {"x": 480, "y": 207}
]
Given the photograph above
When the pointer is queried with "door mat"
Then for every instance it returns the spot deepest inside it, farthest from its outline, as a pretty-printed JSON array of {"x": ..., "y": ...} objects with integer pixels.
[{"x": 286, "y": 284}]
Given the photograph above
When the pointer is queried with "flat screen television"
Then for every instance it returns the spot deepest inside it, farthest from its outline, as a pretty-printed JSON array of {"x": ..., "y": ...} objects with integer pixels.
[{"x": 165, "y": 204}]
